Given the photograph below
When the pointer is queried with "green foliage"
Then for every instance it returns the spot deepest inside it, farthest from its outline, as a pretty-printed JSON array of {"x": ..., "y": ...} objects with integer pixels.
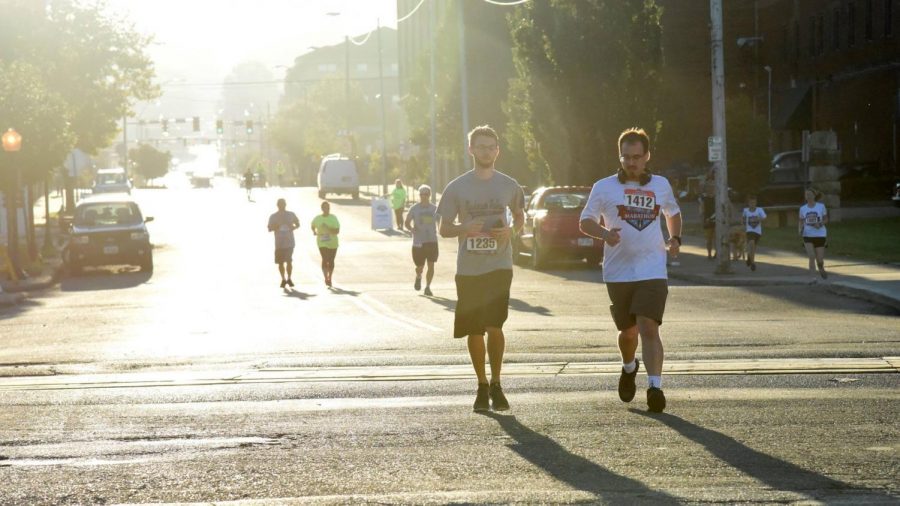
[
  {"x": 748, "y": 146},
  {"x": 585, "y": 71},
  {"x": 95, "y": 63},
  {"x": 39, "y": 115},
  {"x": 149, "y": 162}
]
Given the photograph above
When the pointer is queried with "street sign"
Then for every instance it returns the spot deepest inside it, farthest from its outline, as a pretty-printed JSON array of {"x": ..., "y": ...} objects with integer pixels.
[
  {"x": 76, "y": 162},
  {"x": 714, "y": 145}
]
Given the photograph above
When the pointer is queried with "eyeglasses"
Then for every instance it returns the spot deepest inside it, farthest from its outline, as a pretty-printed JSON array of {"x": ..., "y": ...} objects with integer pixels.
[
  {"x": 631, "y": 158},
  {"x": 492, "y": 147}
]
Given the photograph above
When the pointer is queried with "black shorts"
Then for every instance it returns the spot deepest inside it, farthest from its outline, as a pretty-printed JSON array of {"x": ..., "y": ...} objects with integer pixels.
[
  {"x": 283, "y": 255},
  {"x": 428, "y": 251},
  {"x": 753, "y": 236},
  {"x": 483, "y": 301},
  {"x": 328, "y": 254},
  {"x": 817, "y": 242},
  {"x": 637, "y": 298}
]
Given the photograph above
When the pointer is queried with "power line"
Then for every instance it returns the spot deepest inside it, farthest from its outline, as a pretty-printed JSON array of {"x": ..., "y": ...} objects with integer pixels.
[
  {"x": 404, "y": 18},
  {"x": 507, "y": 4}
]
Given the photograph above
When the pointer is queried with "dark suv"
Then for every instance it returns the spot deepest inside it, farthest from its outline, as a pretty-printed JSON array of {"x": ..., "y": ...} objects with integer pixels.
[{"x": 108, "y": 230}]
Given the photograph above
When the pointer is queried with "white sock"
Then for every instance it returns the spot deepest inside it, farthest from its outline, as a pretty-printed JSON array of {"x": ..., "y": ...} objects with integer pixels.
[
  {"x": 655, "y": 381},
  {"x": 630, "y": 367}
]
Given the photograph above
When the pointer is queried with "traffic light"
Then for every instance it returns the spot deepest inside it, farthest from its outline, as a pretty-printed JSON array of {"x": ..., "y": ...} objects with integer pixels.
[
  {"x": 165, "y": 126},
  {"x": 196, "y": 123},
  {"x": 220, "y": 127},
  {"x": 249, "y": 126}
]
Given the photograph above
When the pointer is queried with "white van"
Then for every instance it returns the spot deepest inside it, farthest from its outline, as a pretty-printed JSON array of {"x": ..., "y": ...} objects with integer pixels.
[
  {"x": 113, "y": 180},
  {"x": 338, "y": 174}
]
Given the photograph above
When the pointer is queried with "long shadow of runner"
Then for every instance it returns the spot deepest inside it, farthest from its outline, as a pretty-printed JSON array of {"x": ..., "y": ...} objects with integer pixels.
[
  {"x": 772, "y": 471},
  {"x": 575, "y": 470}
]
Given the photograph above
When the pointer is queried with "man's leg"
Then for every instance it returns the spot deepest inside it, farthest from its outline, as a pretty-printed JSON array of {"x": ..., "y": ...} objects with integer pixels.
[
  {"x": 651, "y": 345},
  {"x": 281, "y": 270},
  {"x": 428, "y": 275},
  {"x": 810, "y": 252},
  {"x": 290, "y": 270},
  {"x": 496, "y": 345},
  {"x": 628, "y": 341},
  {"x": 476, "y": 354}
]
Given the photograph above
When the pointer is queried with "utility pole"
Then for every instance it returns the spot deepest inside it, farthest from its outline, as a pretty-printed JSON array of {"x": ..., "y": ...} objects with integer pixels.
[
  {"x": 347, "y": 91},
  {"x": 383, "y": 135},
  {"x": 463, "y": 80},
  {"x": 125, "y": 143},
  {"x": 723, "y": 206},
  {"x": 431, "y": 106}
]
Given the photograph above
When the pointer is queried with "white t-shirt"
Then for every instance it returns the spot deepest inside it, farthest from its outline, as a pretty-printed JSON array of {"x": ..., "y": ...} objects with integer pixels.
[
  {"x": 810, "y": 216},
  {"x": 753, "y": 219},
  {"x": 635, "y": 210}
]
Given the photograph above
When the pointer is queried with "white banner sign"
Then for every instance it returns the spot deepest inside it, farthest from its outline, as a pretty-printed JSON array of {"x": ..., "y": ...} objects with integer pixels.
[{"x": 382, "y": 215}]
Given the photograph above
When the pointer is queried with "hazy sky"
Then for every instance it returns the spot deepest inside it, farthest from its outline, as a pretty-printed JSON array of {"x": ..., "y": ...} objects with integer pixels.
[{"x": 200, "y": 41}]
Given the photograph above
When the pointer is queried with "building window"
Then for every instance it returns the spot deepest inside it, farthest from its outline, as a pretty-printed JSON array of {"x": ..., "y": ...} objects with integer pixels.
[
  {"x": 888, "y": 18},
  {"x": 395, "y": 67},
  {"x": 868, "y": 19},
  {"x": 837, "y": 29},
  {"x": 851, "y": 24},
  {"x": 327, "y": 67},
  {"x": 362, "y": 67}
]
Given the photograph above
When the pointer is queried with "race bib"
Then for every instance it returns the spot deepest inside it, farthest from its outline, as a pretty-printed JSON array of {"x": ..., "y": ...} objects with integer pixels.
[
  {"x": 285, "y": 228},
  {"x": 812, "y": 218},
  {"x": 427, "y": 220},
  {"x": 481, "y": 244},
  {"x": 753, "y": 222},
  {"x": 639, "y": 208},
  {"x": 324, "y": 237}
]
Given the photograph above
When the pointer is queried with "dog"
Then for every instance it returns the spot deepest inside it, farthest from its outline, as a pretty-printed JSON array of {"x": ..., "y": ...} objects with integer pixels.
[{"x": 737, "y": 242}]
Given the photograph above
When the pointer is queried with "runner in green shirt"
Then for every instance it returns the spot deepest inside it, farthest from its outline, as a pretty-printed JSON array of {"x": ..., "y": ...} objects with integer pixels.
[
  {"x": 398, "y": 202},
  {"x": 326, "y": 228}
]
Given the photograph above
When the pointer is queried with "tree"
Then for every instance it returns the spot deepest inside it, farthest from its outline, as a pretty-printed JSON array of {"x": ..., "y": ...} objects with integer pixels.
[
  {"x": 585, "y": 71},
  {"x": 149, "y": 162}
]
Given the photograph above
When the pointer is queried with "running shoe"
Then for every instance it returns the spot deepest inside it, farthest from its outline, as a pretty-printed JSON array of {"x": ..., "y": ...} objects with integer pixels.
[
  {"x": 498, "y": 400},
  {"x": 656, "y": 400},
  {"x": 428, "y": 291},
  {"x": 290, "y": 283},
  {"x": 822, "y": 271},
  {"x": 418, "y": 284},
  {"x": 753, "y": 266},
  {"x": 283, "y": 283},
  {"x": 626, "y": 382},
  {"x": 482, "y": 398}
]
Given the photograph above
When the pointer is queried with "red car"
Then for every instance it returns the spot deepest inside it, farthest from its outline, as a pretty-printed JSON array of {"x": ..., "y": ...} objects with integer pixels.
[{"x": 552, "y": 230}]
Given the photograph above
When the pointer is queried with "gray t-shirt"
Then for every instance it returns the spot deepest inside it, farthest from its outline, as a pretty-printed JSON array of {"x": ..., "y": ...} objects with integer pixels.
[
  {"x": 283, "y": 224},
  {"x": 467, "y": 198},
  {"x": 424, "y": 218}
]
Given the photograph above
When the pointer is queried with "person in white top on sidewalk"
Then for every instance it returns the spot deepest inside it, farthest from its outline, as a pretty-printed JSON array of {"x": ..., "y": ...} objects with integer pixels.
[
  {"x": 634, "y": 262},
  {"x": 752, "y": 218},
  {"x": 813, "y": 218}
]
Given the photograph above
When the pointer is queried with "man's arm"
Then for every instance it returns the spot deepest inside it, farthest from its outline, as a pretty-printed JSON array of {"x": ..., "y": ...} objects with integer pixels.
[
  {"x": 674, "y": 223},
  {"x": 408, "y": 221}
]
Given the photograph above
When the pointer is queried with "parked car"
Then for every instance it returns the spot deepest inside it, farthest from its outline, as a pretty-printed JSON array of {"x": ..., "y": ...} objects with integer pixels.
[
  {"x": 552, "y": 230},
  {"x": 113, "y": 180},
  {"x": 108, "y": 230},
  {"x": 896, "y": 195},
  {"x": 338, "y": 174}
]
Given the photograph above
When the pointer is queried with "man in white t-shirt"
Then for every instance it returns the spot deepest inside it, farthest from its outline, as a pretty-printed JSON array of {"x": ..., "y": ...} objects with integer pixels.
[
  {"x": 634, "y": 262},
  {"x": 752, "y": 217}
]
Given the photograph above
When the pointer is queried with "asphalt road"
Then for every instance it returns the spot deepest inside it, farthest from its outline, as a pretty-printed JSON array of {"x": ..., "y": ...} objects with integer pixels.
[{"x": 199, "y": 383}]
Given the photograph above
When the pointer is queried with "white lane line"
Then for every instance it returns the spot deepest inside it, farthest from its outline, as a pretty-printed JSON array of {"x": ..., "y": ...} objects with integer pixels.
[
  {"x": 388, "y": 311},
  {"x": 374, "y": 312}
]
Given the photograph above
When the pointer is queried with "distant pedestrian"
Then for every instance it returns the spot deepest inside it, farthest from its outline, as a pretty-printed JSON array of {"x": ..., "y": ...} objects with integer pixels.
[
  {"x": 708, "y": 213},
  {"x": 752, "y": 218},
  {"x": 326, "y": 229},
  {"x": 398, "y": 202},
  {"x": 283, "y": 223},
  {"x": 634, "y": 261},
  {"x": 811, "y": 224},
  {"x": 421, "y": 220},
  {"x": 483, "y": 199},
  {"x": 248, "y": 182}
]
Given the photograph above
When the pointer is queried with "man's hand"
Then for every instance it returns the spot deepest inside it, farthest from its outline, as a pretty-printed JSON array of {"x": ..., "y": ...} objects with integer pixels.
[
  {"x": 674, "y": 247},
  {"x": 612, "y": 236},
  {"x": 501, "y": 234}
]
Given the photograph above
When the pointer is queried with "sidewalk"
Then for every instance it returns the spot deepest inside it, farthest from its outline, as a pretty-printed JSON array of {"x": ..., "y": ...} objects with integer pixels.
[{"x": 875, "y": 282}]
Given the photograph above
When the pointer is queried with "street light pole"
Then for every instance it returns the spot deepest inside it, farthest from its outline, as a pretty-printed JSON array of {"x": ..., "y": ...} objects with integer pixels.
[
  {"x": 383, "y": 135},
  {"x": 723, "y": 206},
  {"x": 12, "y": 142},
  {"x": 768, "y": 70}
]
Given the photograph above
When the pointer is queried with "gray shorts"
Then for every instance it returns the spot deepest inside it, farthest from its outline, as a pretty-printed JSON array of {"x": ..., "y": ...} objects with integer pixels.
[
  {"x": 283, "y": 255},
  {"x": 637, "y": 298}
]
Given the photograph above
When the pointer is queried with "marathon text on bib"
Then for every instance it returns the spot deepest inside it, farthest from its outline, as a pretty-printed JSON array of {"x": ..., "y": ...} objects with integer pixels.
[
  {"x": 639, "y": 208},
  {"x": 812, "y": 218}
]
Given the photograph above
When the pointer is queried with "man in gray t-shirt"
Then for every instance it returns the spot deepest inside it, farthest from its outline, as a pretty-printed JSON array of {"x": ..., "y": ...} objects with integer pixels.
[
  {"x": 283, "y": 223},
  {"x": 422, "y": 221},
  {"x": 483, "y": 200}
]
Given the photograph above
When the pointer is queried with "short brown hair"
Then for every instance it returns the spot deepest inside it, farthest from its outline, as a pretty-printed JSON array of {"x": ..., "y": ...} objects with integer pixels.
[
  {"x": 483, "y": 130},
  {"x": 632, "y": 135}
]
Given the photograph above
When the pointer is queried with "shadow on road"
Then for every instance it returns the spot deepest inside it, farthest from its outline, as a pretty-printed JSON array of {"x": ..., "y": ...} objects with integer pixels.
[
  {"x": 296, "y": 294},
  {"x": 449, "y": 304},
  {"x": 575, "y": 470},
  {"x": 341, "y": 291},
  {"x": 90, "y": 280},
  {"x": 524, "y": 307},
  {"x": 18, "y": 309},
  {"x": 392, "y": 232},
  {"x": 772, "y": 471}
]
